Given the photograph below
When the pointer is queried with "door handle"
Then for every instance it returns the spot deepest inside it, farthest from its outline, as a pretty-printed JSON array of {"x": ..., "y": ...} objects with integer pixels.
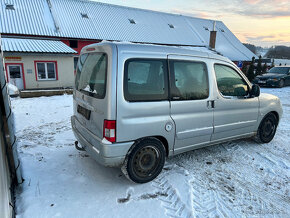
[{"x": 211, "y": 104}]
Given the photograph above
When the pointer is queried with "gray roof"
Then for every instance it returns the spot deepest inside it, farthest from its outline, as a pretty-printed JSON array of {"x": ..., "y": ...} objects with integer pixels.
[
  {"x": 38, "y": 46},
  {"x": 92, "y": 20}
]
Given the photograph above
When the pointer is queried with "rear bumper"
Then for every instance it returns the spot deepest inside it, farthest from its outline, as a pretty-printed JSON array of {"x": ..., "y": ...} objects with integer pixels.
[{"x": 103, "y": 151}]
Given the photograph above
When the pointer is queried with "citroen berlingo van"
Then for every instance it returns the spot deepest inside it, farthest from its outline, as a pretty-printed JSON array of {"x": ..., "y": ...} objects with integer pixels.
[{"x": 135, "y": 105}]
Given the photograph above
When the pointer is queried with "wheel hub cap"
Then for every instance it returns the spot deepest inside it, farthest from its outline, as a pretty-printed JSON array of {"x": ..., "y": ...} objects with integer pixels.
[{"x": 146, "y": 161}]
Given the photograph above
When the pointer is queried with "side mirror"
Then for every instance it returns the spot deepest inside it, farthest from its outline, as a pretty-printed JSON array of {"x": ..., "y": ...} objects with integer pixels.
[{"x": 255, "y": 91}]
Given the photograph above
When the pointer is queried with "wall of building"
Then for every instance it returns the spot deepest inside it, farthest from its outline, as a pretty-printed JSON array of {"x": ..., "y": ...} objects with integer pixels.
[
  {"x": 80, "y": 44},
  {"x": 282, "y": 62},
  {"x": 64, "y": 65}
]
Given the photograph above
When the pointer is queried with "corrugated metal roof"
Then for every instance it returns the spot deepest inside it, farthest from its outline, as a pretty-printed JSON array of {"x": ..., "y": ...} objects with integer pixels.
[
  {"x": 226, "y": 42},
  {"x": 63, "y": 18},
  {"x": 30, "y": 17},
  {"x": 111, "y": 22},
  {"x": 32, "y": 45}
]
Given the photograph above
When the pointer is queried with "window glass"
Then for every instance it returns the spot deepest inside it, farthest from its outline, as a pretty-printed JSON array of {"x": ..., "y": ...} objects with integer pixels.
[
  {"x": 76, "y": 59},
  {"x": 14, "y": 72},
  {"x": 51, "y": 71},
  {"x": 189, "y": 80},
  {"x": 41, "y": 71},
  {"x": 73, "y": 43},
  {"x": 229, "y": 81},
  {"x": 144, "y": 80},
  {"x": 280, "y": 70},
  {"x": 46, "y": 71},
  {"x": 91, "y": 74}
]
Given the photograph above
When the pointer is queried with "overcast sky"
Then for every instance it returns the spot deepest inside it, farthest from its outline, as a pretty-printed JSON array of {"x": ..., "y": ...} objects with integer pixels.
[{"x": 260, "y": 22}]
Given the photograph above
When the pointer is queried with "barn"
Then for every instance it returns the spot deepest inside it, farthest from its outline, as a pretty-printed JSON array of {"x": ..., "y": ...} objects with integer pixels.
[{"x": 41, "y": 40}]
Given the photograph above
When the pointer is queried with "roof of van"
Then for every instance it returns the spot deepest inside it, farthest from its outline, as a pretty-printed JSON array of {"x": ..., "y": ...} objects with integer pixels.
[{"x": 161, "y": 49}]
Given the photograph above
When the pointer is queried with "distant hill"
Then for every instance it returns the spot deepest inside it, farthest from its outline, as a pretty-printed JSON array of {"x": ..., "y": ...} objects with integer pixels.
[
  {"x": 257, "y": 50},
  {"x": 279, "y": 52},
  {"x": 251, "y": 47}
]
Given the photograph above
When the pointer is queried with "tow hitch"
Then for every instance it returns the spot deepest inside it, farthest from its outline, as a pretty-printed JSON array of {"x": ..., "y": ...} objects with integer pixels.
[{"x": 77, "y": 146}]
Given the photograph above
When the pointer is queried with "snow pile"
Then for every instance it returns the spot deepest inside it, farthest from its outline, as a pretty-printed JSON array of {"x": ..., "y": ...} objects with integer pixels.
[
  {"x": 12, "y": 89},
  {"x": 235, "y": 179}
]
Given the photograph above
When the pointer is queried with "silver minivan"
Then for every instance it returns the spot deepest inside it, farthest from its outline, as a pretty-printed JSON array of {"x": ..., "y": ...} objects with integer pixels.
[{"x": 135, "y": 105}]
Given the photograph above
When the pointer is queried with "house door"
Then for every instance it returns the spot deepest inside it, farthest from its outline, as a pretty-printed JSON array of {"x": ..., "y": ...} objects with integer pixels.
[{"x": 15, "y": 75}]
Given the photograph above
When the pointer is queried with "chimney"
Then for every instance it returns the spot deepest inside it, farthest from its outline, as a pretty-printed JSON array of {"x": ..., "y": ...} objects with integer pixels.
[{"x": 212, "y": 38}]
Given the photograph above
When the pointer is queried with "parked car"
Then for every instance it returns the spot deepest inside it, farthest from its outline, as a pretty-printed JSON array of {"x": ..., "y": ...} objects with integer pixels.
[
  {"x": 276, "y": 77},
  {"x": 135, "y": 105}
]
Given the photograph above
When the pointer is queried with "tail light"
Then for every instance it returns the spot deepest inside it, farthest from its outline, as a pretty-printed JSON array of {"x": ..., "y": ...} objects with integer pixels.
[{"x": 109, "y": 130}]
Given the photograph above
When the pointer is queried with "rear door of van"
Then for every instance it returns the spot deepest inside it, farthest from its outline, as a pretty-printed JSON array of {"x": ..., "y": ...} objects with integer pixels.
[
  {"x": 142, "y": 97},
  {"x": 95, "y": 97},
  {"x": 191, "y": 101}
]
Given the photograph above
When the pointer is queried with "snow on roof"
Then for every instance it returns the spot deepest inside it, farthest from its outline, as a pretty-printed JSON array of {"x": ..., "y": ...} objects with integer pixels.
[
  {"x": 81, "y": 19},
  {"x": 32, "y": 45}
]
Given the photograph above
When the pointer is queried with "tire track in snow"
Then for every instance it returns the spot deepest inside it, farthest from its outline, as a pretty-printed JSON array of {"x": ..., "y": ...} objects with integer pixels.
[
  {"x": 243, "y": 196},
  {"x": 208, "y": 202},
  {"x": 228, "y": 191},
  {"x": 269, "y": 170},
  {"x": 172, "y": 203}
]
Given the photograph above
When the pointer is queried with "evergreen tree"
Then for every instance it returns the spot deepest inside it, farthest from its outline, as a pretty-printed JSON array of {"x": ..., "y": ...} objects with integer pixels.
[
  {"x": 251, "y": 74},
  {"x": 259, "y": 66},
  {"x": 245, "y": 69}
]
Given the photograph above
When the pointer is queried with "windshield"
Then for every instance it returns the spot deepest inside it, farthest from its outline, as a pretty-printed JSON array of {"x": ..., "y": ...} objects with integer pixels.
[
  {"x": 91, "y": 74},
  {"x": 280, "y": 70}
]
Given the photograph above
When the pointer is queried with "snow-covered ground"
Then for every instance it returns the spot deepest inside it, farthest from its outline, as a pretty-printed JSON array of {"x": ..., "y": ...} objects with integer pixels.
[{"x": 235, "y": 179}]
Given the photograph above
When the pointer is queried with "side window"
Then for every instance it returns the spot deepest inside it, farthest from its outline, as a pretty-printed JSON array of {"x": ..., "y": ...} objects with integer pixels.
[
  {"x": 145, "y": 80},
  {"x": 229, "y": 81},
  {"x": 189, "y": 80}
]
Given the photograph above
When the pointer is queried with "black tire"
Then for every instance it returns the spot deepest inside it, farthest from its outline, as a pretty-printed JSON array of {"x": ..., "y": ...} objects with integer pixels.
[
  {"x": 281, "y": 83},
  {"x": 145, "y": 161},
  {"x": 267, "y": 129}
]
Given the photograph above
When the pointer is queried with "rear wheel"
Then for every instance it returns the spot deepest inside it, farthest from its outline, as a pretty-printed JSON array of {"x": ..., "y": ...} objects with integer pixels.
[
  {"x": 267, "y": 128},
  {"x": 145, "y": 161},
  {"x": 281, "y": 83}
]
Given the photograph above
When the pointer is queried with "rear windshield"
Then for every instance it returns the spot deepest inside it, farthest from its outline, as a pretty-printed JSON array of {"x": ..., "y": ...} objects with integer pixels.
[{"x": 92, "y": 74}]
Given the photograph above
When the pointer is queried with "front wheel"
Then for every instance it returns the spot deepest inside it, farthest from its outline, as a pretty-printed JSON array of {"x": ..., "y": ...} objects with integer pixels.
[
  {"x": 145, "y": 161},
  {"x": 267, "y": 128}
]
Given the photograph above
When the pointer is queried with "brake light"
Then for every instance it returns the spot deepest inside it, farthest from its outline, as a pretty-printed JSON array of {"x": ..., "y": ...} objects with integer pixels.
[{"x": 109, "y": 130}]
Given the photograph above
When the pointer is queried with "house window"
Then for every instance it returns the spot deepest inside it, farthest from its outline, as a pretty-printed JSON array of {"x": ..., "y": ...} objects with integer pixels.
[
  {"x": 73, "y": 43},
  {"x": 46, "y": 70},
  {"x": 76, "y": 59}
]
